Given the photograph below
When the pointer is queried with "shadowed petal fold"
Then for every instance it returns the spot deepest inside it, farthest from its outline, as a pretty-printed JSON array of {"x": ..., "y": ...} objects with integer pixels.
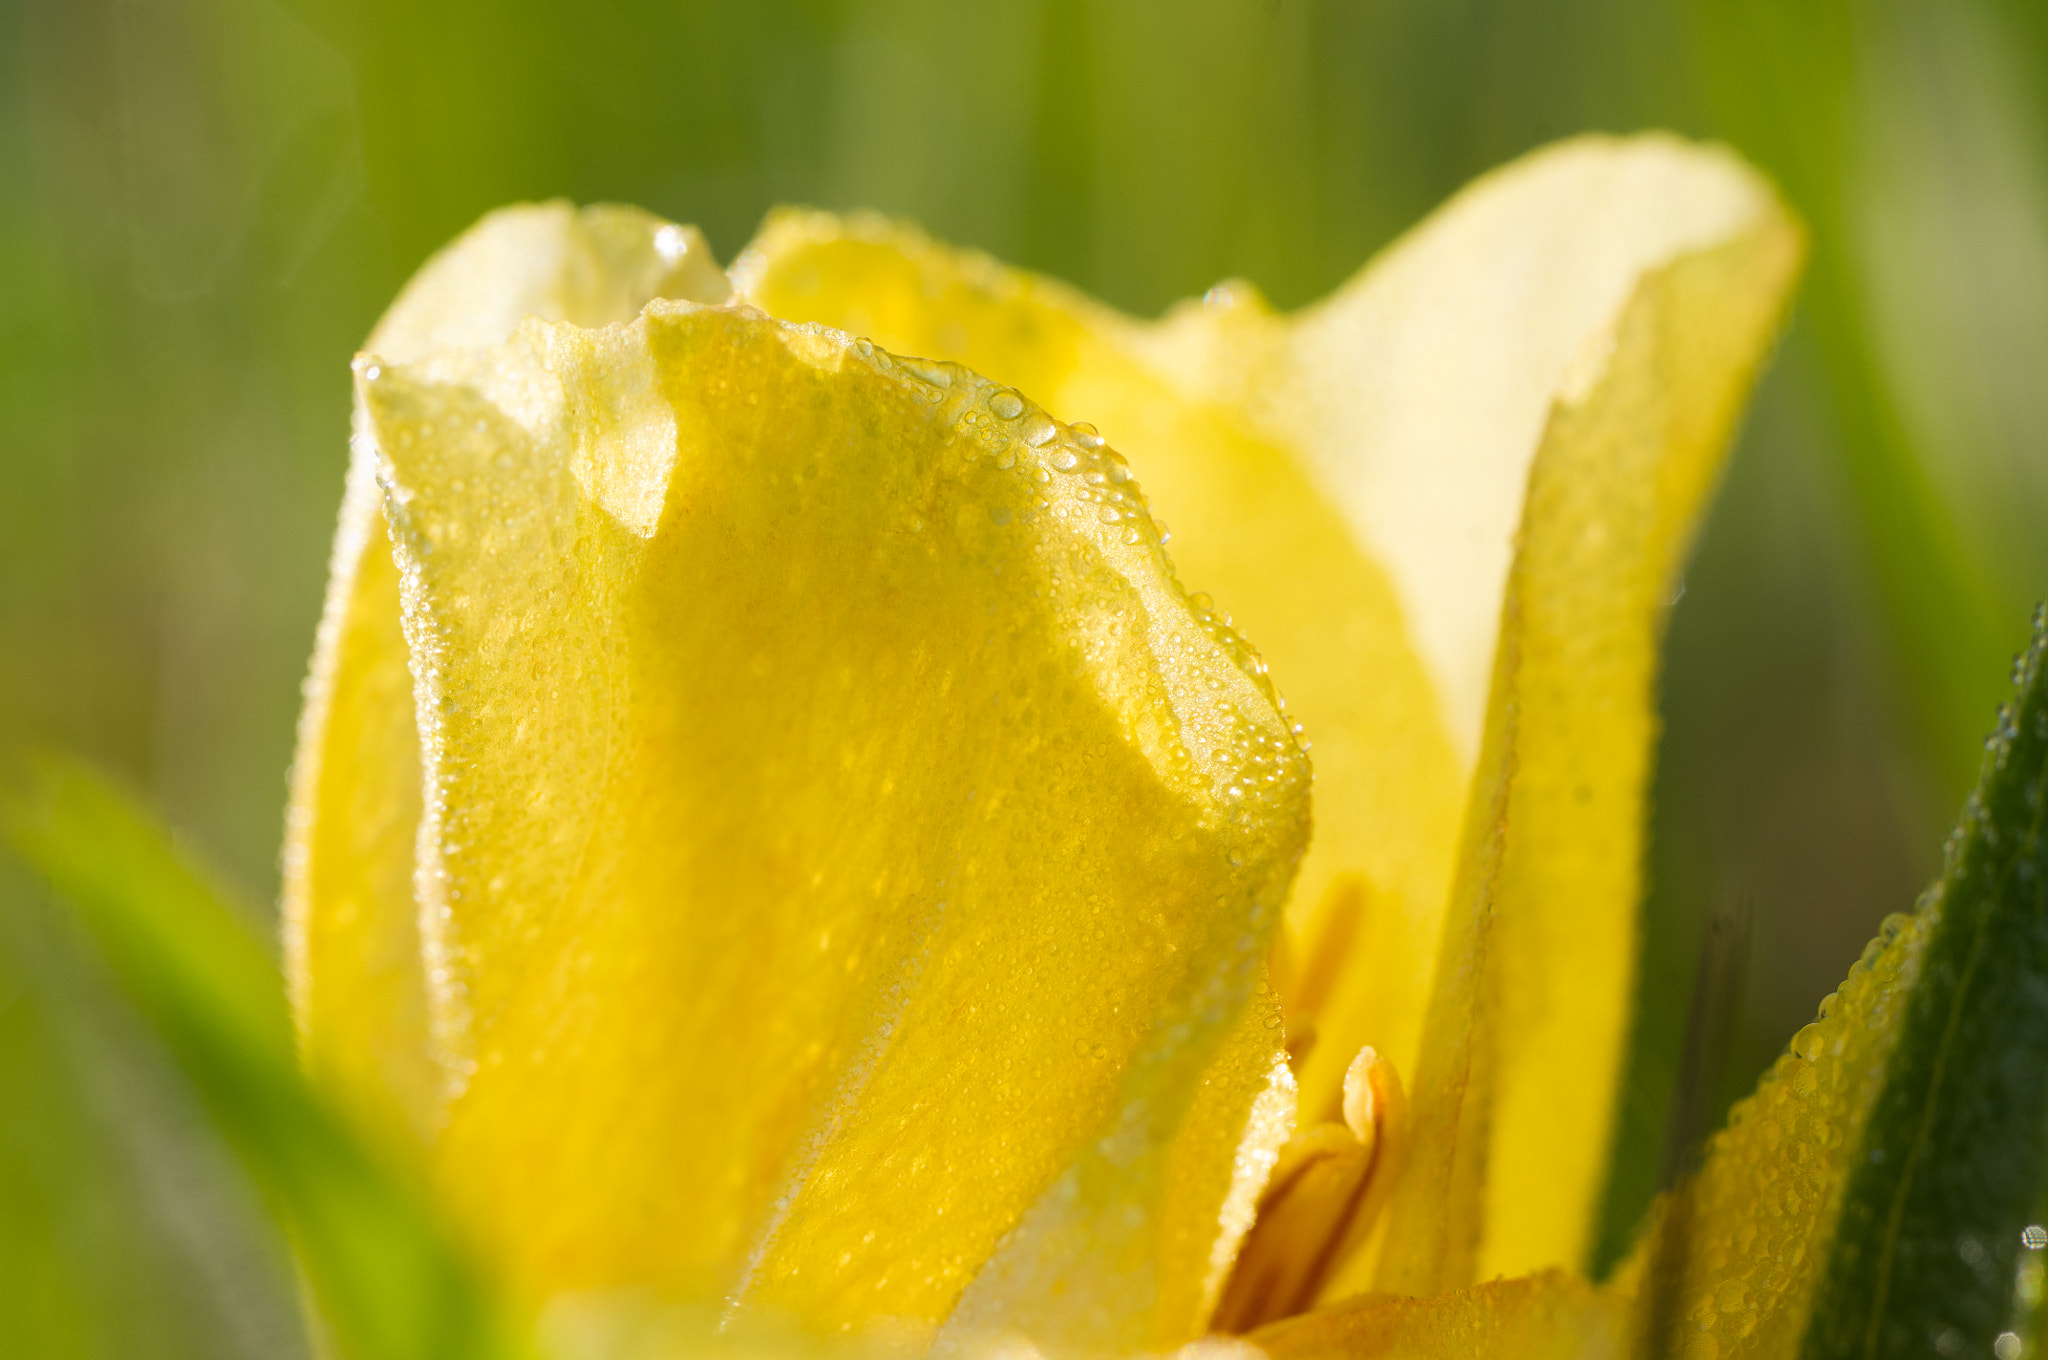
[
  {"x": 1449, "y": 502},
  {"x": 840, "y": 832},
  {"x": 352, "y": 941}
]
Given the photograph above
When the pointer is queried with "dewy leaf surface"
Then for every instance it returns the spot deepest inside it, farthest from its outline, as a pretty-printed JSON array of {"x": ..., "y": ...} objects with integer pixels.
[
  {"x": 351, "y": 933},
  {"x": 844, "y": 842},
  {"x": 1729, "y": 1263},
  {"x": 1930, "y": 1247},
  {"x": 1873, "y": 1197},
  {"x": 1350, "y": 482}
]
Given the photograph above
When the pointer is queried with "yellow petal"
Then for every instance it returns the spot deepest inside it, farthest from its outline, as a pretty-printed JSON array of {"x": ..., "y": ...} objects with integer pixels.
[
  {"x": 844, "y": 844},
  {"x": 1551, "y": 1316},
  {"x": 1129, "y": 1253},
  {"x": 1350, "y": 482},
  {"x": 1517, "y": 1086},
  {"x": 1250, "y": 525},
  {"x": 352, "y": 942}
]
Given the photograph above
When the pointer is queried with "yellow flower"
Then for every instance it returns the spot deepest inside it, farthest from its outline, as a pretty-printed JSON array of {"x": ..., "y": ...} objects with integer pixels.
[{"x": 771, "y": 828}]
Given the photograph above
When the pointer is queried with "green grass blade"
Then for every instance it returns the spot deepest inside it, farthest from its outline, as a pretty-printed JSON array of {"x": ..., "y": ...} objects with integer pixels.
[
  {"x": 1929, "y": 1254},
  {"x": 387, "y": 1284},
  {"x": 1783, "y": 80}
]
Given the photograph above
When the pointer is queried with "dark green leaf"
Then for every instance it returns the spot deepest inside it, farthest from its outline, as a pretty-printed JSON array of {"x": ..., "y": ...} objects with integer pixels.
[{"x": 1933, "y": 1235}]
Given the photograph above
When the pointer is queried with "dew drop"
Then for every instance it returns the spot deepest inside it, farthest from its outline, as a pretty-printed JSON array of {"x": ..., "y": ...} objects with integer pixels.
[
  {"x": 1809, "y": 1042},
  {"x": 671, "y": 243},
  {"x": 1066, "y": 460},
  {"x": 1006, "y": 404},
  {"x": 1109, "y": 514},
  {"x": 1085, "y": 434},
  {"x": 1038, "y": 431}
]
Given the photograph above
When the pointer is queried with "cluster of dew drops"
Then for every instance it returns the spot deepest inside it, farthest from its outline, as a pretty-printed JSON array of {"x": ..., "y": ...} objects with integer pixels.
[
  {"x": 1001, "y": 419},
  {"x": 1021, "y": 437}
]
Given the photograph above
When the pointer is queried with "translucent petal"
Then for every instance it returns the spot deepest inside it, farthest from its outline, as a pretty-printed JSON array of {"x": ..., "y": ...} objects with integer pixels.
[
  {"x": 1550, "y": 1316},
  {"x": 844, "y": 842},
  {"x": 1352, "y": 482},
  {"x": 1529, "y": 1002},
  {"x": 1250, "y": 526},
  {"x": 1095, "y": 1266},
  {"x": 352, "y": 942}
]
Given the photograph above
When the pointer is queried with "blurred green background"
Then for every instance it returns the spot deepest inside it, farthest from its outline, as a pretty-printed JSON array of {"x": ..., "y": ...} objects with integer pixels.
[{"x": 207, "y": 202}]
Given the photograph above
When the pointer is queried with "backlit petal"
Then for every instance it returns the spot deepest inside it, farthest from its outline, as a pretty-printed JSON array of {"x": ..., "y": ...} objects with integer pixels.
[
  {"x": 844, "y": 842},
  {"x": 1532, "y": 1008},
  {"x": 1550, "y": 1316},
  {"x": 1352, "y": 482},
  {"x": 351, "y": 935},
  {"x": 1250, "y": 525}
]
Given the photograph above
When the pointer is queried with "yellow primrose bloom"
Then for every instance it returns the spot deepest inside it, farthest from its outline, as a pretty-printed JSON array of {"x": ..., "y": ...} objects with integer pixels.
[{"x": 771, "y": 827}]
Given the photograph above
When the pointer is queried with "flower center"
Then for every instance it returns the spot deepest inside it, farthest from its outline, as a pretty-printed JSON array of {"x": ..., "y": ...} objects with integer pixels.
[{"x": 1318, "y": 1208}]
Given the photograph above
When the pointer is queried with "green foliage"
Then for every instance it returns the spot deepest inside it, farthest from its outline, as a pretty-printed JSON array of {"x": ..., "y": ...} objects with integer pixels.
[
  {"x": 388, "y": 1285},
  {"x": 126, "y": 1231},
  {"x": 1929, "y": 1251}
]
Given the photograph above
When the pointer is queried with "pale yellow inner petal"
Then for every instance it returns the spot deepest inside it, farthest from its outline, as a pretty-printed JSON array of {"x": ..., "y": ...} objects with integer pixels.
[{"x": 1515, "y": 1096}]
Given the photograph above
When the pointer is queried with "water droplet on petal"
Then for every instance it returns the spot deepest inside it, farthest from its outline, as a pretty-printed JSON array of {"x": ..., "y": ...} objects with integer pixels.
[
  {"x": 1086, "y": 435},
  {"x": 671, "y": 243},
  {"x": 1006, "y": 403}
]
